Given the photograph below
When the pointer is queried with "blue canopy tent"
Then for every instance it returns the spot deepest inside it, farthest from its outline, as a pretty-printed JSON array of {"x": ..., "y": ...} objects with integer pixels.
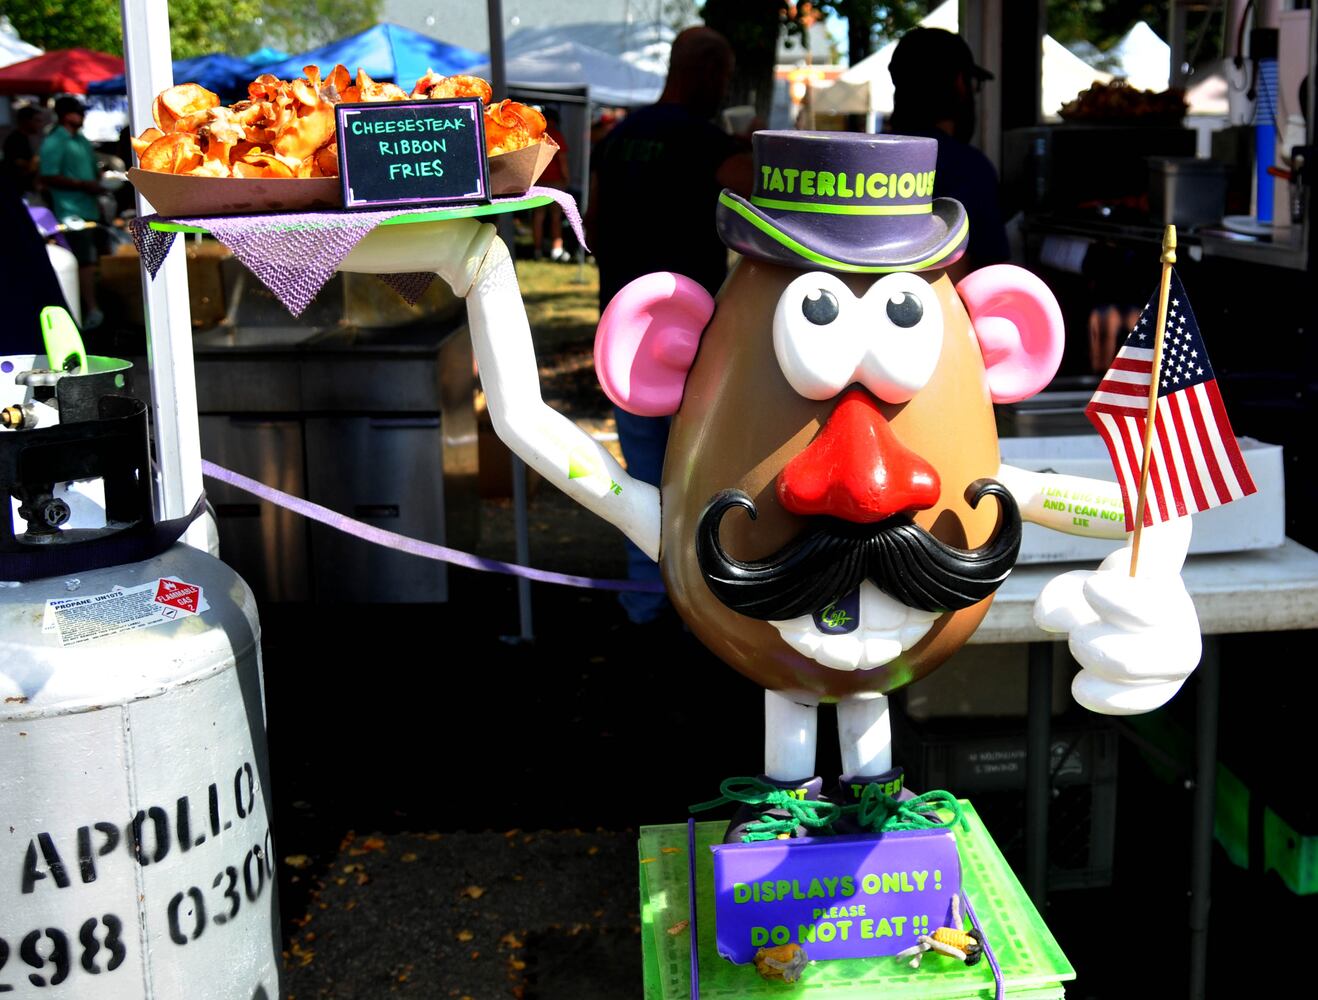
[
  {"x": 385, "y": 52},
  {"x": 218, "y": 71},
  {"x": 266, "y": 55}
]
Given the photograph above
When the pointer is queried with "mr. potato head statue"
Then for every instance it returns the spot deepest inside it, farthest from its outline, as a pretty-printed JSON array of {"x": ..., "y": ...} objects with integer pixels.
[{"x": 834, "y": 516}]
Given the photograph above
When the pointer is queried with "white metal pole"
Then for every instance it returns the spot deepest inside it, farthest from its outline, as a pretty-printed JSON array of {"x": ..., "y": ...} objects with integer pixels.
[{"x": 147, "y": 63}]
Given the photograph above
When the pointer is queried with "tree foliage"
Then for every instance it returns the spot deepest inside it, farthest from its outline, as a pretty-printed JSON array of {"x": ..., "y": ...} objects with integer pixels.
[
  {"x": 196, "y": 26},
  {"x": 66, "y": 24},
  {"x": 752, "y": 28},
  {"x": 1102, "y": 22},
  {"x": 869, "y": 21}
]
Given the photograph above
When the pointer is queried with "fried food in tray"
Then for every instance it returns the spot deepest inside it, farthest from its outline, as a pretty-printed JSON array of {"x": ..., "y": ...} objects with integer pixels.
[
  {"x": 285, "y": 129},
  {"x": 1119, "y": 102},
  {"x": 280, "y": 131}
]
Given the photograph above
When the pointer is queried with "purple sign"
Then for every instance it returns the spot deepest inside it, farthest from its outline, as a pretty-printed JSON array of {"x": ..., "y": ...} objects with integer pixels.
[
  {"x": 838, "y": 897},
  {"x": 413, "y": 153}
]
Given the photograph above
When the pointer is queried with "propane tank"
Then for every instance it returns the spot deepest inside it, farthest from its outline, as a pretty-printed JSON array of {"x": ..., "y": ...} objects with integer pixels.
[{"x": 136, "y": 859}]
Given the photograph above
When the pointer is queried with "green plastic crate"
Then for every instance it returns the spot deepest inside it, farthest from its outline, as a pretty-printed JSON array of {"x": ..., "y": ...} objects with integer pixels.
[
  {"x": 1032, "y": 963},
  {"x": 1290, "y": 853}
]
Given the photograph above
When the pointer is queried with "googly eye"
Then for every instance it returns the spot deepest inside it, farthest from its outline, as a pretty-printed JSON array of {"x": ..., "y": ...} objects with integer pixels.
[
  {"x": 904, "y": 337},
  {"x": 815, "y": 335},
  {"x": 820, "y": 307},
  {"x": 905, "y": 309}
]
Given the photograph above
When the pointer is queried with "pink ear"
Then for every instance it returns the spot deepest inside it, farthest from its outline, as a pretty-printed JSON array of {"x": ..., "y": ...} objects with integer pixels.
[
  {"x": 647, "y": 340},
  {"x": 1019, "y": 326}
]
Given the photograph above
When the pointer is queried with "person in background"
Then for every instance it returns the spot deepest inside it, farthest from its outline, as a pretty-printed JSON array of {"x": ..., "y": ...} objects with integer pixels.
[
  {"x": 71, "y": 175},
  {"x": 936, "y": 82},
  {"x": 555, "y": 176},
  {"x": 21, "y": 146},
  {"x": 655, "y": 183}
]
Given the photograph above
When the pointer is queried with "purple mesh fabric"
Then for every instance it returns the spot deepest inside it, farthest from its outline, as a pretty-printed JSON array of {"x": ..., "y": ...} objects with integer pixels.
[
  {"x": 295, "y": 253},
  {"x": 410, "y": 286}
]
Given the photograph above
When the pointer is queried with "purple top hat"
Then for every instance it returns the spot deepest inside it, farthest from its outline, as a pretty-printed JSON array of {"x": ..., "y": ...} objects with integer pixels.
[{"x": 844, "y": 202}]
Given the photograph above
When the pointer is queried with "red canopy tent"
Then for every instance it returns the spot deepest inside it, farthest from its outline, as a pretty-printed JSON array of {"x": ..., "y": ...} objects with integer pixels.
[{"x": 64, "y": 71}]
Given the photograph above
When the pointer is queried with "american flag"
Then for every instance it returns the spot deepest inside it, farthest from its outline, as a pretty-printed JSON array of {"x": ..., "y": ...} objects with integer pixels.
[{"x": 1195, "y": 463}]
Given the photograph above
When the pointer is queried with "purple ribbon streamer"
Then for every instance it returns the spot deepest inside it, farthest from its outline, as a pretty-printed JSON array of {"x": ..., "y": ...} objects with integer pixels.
[
  {"x": 411, "y": 546},
  {"x": 999, "y": 983},
  {"x": 295, "y": 253}
]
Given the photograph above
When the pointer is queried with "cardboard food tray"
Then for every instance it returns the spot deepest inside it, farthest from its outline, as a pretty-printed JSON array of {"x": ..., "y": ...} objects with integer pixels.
[
  {"x": 513, "y": 173},
  {"x": 187, "y": 195}
]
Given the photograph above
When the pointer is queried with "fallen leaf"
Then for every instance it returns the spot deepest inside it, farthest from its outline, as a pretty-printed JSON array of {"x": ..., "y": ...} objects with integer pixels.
[
  {"x": 593, "y": 851},
  {"x": 517, "y": 964},
  {"x": 511, "y": 940},
  {"x": 670, "y": 850},
  {"x": 679, "y": 927},
  {"x": 408, "y": 857},
  {"x": 473, "y": 892},
  {"x": 465, "y": 935}
]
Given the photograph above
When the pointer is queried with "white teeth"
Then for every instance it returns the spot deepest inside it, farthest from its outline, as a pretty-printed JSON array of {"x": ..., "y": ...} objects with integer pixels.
[
  {"x": 912, "y": 634},
  {"x": 881, "y": 649},
  {"x": 809, "y": 642},
  {"x": 878, "y": 611},
  {"x": 841, "y": 651},
  {"x": 881, "y": 639}
]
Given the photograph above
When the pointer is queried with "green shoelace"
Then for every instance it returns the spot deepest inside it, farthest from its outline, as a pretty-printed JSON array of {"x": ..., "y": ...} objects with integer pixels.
[
  {"x": 813, "y": 814},
  {"x": 878, "y": 812}
]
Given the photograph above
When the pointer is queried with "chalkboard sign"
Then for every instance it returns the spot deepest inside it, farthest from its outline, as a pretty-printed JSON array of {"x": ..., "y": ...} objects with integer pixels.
[{"x": 413, "y": 153}]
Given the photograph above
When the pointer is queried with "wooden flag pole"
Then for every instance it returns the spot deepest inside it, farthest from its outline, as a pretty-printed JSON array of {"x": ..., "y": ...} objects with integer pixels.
[{"x": 1168, "y": 259}]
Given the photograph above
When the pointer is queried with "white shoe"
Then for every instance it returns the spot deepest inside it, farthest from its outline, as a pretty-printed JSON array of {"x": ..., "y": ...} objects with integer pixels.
[{"x": 559, "y": 254}]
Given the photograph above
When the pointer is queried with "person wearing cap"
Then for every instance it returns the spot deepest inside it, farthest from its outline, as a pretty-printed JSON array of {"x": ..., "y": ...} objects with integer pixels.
[
  {"x": 936, "y": 82},
  {"x": 73, "y": 179}
]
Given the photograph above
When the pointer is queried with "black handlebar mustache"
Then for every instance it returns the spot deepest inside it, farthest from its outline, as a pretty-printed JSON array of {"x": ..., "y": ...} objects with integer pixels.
[{"x": 832, "y": 557}]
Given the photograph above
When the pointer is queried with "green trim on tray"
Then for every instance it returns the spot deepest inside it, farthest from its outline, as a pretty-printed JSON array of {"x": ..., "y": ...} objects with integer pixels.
[{"x": 438, "y": 215}]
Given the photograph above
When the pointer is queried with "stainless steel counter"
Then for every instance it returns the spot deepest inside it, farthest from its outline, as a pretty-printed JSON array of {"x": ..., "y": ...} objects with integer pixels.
[{"x": 375, "y": 424}]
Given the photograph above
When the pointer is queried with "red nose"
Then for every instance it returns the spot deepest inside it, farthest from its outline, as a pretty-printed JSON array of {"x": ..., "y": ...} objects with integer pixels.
[{"x": 856, "y": 469}]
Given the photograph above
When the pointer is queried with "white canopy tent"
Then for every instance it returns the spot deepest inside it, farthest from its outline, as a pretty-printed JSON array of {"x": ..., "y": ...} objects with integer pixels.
[
  {"x": 644, "y": 45},
  {"x": 1065, "y": 75},
  {"x": 612, "y": 81},
  {"x": 13, "y": 49},
  {"x": 1143, "y": 58}
]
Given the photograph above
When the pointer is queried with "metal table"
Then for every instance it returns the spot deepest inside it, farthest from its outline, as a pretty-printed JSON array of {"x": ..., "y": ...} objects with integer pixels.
[{"x": 1267, "y": 590}]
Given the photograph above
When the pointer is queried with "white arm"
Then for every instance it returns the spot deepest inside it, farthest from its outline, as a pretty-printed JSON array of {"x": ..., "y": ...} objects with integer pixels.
[
  {"x": 469, "y": 256},
  {"x": 1136, "y": 640},
  {"x": 1075, "y": 505},
  {"x": 549, "y": 442}
]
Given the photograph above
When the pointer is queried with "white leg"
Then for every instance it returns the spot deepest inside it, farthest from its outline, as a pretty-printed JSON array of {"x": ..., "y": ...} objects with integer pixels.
[
  {"x": 790, "y": 730},
  {"x": 864, "y": 734}
]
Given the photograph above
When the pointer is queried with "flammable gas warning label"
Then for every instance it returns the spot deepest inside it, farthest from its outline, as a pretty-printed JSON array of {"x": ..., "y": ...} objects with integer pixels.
[{"x": 123, "y": 609}]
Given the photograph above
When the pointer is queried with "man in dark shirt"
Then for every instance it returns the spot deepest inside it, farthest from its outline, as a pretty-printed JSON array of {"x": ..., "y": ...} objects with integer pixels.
[
  {"x": 936, "y": 82},
  {"x": 20, "y": 149},
  {"x": 658, "y": 173},
  {"x": 655, "y": 183}
]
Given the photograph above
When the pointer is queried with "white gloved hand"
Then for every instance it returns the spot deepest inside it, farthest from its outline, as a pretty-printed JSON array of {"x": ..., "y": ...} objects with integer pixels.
[{"x": 1136, "y": 640}]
